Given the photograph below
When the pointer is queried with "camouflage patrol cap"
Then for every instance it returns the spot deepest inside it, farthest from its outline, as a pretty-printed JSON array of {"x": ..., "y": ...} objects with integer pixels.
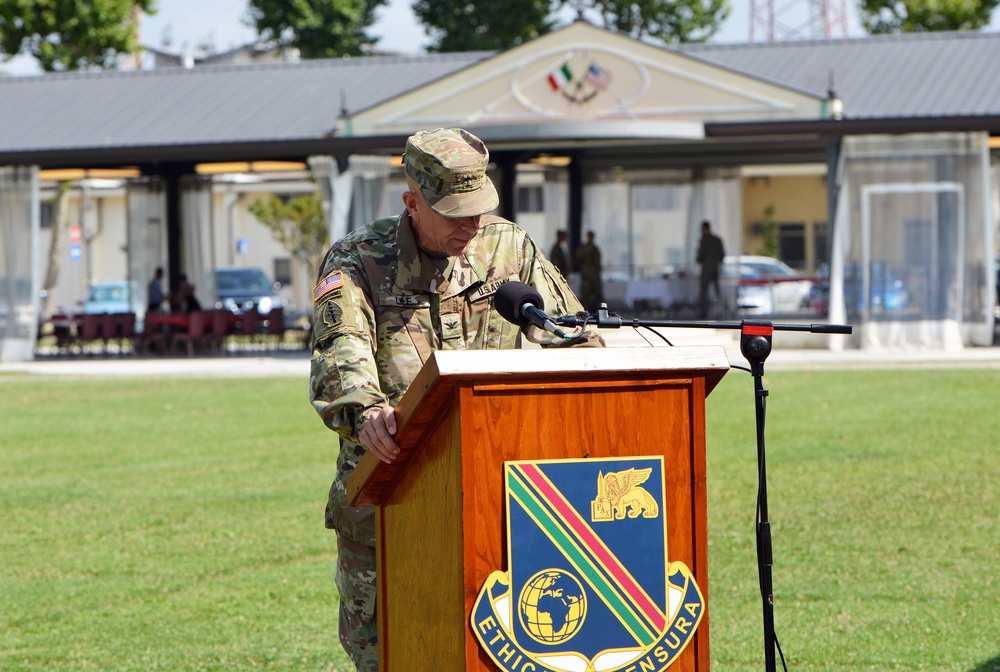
[{"x": 449, "y": 166}]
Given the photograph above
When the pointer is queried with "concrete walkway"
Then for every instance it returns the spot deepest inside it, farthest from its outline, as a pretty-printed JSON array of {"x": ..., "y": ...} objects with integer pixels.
[{"x": 787, "y": 353}]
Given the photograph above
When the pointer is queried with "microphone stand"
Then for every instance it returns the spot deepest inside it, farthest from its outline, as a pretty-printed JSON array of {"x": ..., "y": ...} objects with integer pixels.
[{"x": 755, "y": 345}]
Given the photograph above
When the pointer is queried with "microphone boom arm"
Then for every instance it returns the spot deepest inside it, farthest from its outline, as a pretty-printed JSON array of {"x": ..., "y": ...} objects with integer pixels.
[{"x": 606, "y": 319}]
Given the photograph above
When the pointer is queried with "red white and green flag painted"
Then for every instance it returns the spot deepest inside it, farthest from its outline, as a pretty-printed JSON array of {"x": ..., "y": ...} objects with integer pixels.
[{"x": 560, "y": 77}]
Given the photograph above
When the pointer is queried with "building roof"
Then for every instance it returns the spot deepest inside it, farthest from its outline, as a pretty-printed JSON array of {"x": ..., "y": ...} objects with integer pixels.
[
  {"x": 98, "y": 112},
  {"x": 889, "y": 76},
  {"x": 926, "y": 81}
]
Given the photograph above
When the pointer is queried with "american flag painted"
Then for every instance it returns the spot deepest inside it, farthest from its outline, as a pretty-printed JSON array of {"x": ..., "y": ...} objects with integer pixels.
[
  {"x": 328, "y": 284},
  {"x": 598, "y": 76}
]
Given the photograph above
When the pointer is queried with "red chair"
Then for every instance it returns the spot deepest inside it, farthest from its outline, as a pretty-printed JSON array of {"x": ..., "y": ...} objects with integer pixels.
[
  {"x": 195, "y": 333},
  {"x": 66, "y": 329},
  {"x": 126, "y": 331},
  {"x": 276, "y": 326},
  {"x": 154, "y": 334},
  {"x": 90, "y": 330},
  {"x": 109, "y": 330},
  {"x": 248, "y": 325},
  {"x": 219, "y": 330}
]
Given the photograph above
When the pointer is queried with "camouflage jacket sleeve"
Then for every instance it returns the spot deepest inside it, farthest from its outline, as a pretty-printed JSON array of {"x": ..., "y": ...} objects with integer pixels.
[{"x": 344, "y": 381}]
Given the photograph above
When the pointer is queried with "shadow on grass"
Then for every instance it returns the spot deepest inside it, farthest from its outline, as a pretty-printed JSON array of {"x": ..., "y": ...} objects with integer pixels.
[{"x": 991, "y": 665}]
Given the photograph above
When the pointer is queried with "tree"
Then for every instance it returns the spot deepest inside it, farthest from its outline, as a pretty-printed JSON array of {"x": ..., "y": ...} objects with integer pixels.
[
  {"x": 480, "y": 24},
  {"x": 915, "y": 16},
  {"x": 297, "y": 225},
  {"x": 476, "y": 25},
  {"x": 769, "y": 233},
  {"x": 69, "y": 34},
  {"x": 664, "y": 20},
  {"x": 317, "y": 28}
]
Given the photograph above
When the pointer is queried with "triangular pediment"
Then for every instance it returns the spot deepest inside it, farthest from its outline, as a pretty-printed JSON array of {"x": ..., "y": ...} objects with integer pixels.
[{"x": 586, "y": 75}]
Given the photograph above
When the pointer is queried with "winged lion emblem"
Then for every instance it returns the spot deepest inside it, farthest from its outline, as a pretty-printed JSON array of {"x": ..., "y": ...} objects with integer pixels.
[{"x": 619, "y": 495}]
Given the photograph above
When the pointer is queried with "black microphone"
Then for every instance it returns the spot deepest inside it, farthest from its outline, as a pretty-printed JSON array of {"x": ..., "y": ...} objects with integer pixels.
[{"x": 518, "y": 303}]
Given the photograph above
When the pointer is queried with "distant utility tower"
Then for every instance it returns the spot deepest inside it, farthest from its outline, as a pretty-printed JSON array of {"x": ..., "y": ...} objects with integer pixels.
[{"x": 772, "y": 20}]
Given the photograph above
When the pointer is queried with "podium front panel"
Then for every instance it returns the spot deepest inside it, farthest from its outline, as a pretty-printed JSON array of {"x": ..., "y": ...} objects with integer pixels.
[{"x": 577, "y": 420}]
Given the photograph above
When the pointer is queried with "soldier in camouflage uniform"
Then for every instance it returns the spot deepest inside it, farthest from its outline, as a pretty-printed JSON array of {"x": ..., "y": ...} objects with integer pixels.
[
  {"x": 587, "y": 260},
  {"x": 388, "y": 296}
]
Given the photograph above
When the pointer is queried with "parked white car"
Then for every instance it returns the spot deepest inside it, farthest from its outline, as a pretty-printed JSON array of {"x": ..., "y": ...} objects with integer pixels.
[
  {"x": 112, "y": 297},
  {"x": 116, "y": 297},
  {"x": 765, "y": 285}
]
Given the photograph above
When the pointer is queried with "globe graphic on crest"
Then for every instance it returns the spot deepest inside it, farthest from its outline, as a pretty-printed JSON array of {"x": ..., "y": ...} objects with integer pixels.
[{"x": 552, "y": 606}]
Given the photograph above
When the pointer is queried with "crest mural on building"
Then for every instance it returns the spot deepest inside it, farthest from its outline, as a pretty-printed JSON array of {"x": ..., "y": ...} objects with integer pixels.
[
  {"x": 580, "y": 83},
  {"x": 579, "y": 87}
]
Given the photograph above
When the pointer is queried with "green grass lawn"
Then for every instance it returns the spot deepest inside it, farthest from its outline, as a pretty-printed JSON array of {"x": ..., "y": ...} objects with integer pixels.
[
  {"x": 882, "y": 488},
  {"x": 178, "y": 524}
]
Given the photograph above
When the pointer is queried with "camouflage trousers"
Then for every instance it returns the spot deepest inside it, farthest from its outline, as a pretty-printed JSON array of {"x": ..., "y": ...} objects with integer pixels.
[{"x": 356, "y": 582}]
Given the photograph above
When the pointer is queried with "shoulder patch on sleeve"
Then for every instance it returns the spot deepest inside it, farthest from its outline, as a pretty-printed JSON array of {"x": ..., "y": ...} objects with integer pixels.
[
  {"x": 336, "y": 306},
  {"x": 331, "y": 282}
]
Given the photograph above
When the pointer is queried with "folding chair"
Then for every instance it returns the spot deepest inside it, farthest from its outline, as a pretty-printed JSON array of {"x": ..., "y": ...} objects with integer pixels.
[{"x": 195, "y": 333}]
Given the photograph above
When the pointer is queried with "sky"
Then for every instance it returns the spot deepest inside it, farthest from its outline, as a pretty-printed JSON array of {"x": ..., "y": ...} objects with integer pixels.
[{"x": 188, "y": 23}]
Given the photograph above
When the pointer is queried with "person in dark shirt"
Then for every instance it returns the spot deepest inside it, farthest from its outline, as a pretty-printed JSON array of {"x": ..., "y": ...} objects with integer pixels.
[
  {"x": 186, "y": 301},
  {"x": 710, "y": 255},
  {"x": 154, "y": 291},
  {"x": 559, "y": 255},
  {"x": 588, "y": 262}
]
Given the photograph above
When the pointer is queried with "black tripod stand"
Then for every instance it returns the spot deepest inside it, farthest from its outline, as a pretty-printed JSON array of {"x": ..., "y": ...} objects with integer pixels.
[{"x": 755, "y": 345}]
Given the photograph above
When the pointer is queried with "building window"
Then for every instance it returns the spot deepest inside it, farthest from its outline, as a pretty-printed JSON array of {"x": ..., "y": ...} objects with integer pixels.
[
  {"x": 792, "y": 244},
  {"x": 654, "y": 197},
  {"x": 530, "y": 199},
  {"x": 45, "y": 214},
  {"x": 821, "y": 243},
  {"x": 283, "y": 271}
]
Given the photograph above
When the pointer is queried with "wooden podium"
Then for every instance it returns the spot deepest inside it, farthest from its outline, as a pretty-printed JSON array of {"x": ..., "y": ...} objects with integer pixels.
[{"x": 440, "y": 518}]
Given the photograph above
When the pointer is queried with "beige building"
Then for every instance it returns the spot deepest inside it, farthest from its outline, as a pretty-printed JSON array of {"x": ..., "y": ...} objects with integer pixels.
[{"x": 588, "y": 130}]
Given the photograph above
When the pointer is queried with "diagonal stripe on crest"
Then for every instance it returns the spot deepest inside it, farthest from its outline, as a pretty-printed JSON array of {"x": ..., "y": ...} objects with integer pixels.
[
  {"x": 571, "y": 534},
  {"x": 577, "y": 556},
  {"x": 602, "y": 555}
]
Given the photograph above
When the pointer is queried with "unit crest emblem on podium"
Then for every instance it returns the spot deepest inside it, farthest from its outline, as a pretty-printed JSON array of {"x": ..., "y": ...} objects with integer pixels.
[{"x": 589, "y": 587}]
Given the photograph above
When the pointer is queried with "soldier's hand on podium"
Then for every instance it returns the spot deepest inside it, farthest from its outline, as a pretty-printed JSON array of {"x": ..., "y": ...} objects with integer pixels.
[{"x": 378, "y": 434}]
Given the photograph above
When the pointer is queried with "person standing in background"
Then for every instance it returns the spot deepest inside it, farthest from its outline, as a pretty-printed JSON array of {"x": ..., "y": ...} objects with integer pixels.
[
  {"x": 588, "y": 262},
  {"x": 559, "y": 255},
  {"x": 185, "y": 301},
  {"x": 154, "y": 292},
  {"x": 710, "y": 255}
]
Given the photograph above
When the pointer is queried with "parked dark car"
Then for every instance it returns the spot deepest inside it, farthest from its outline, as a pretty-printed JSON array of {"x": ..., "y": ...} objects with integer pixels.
[{"x": 241, "y": 289}]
